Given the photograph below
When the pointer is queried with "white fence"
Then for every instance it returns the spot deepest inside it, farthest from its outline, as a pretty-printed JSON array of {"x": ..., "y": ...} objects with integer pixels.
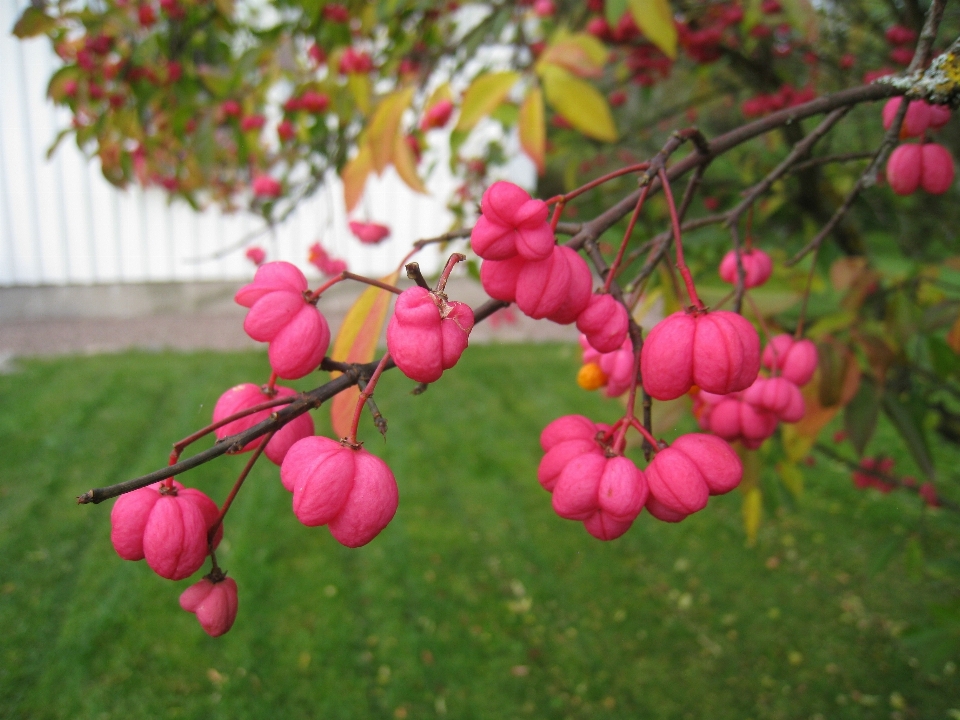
[{"x": 62, "y": 223}]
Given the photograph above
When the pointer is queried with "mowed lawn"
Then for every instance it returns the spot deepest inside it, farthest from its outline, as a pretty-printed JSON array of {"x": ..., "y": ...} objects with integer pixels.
[{"x": 477, "y": 601}]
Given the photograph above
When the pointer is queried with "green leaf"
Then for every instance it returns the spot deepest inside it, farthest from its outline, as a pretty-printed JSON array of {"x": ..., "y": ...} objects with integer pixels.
[
  {"x": 579, "y": 102},
  {"x": 791, "y": 477},
  {"x": 860, "y": 415},
  {"x": 33, "y": 22},
  {"x": 482, "y": 97},
  {"x": 655, "y": 20},
  {"x": 883, "y": 555},
  {"x": 910, "y": 427},
  {"x": 614, "y": 10}
]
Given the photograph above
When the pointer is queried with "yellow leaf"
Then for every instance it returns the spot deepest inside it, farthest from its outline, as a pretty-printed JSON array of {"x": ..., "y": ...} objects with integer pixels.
[
  {"x": 797, "y": 446},
  {"x": 655, "y": 20},
  {"x": 581, "y": 54},
  {"x": 752, "y": 508},
  {"x": 792, "y": 478},
  {"x": 384, "y": 127},
  {"x": 406, "y": 164},
  {"x": 359, "y": 86},
  {"x": 354, "y": 176},
  {"x": 356, "y": 342},
  {"x": 579, "y": 102},
  {"x": 533, "y": 134},
  {"x": 482, "y": 97}
]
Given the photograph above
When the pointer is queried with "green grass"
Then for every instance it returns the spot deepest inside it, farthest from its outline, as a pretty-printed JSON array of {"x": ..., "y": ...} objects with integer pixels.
[{"x": 476, "y": 601}]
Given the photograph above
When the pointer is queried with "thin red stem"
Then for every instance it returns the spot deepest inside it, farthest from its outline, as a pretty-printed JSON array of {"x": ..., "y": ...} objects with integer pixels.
[
  {"x": 806, "y": 294},
  {"x": 557, "y": 212},
  {"x": 647, "y": 435},
  {"x": 448, "y": 268},
  {"x": 611, "y": 273},
  {"x": 181, "y": 445},
  {"x": 364, "y": 396},
  {"x": 211, "y": 533},
  {"x": 640, "y": 167},
  {"x": 347, "y": 275},
  {"x": 675, "y": 222},
  {"x": 271, "y": 388}
]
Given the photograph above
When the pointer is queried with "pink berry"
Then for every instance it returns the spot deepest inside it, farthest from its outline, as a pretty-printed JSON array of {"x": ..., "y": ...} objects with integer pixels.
[
  {"x": 937, "y": 172},
  {"x": 369, "y": 233},
  {"x": 314, "y": 102},
  {"x": 280, "y": 315},
  {"x": 592, "y": 485},
  {"x": 776, "y": 395},
  {"x": 544, "y": 8},
  {"x": 348, "y": 489},
  {"x": 427, "y": 334},
  {"x": 605, "y": 323},
  {"x": 579, "y": 290},
  {"x": 256, "y": 255},
  {"x": 795, "y": 359},
  {"x": 618, "y": 366},
  {"x": 214, "y": 604},
  {"x": 559, "y": 456},
  {"x": 734, "y": 419},
  {"x": 757, "y": 267},
  {"x": 437, "y": 116},
  {"x": 939, "y": 116},
  {"x": 266, "y": 187},
  {"x": 904, "y": 168},
  {"x": 662, "y": 512},
  {"x": 167, "y": 526},
  {"x": 543, "y": 285},
  {"x": 252, "y": 122},
  {"x": 915, "y": 122},
  {"x": 718, "y": 351},
  {"x": 567, "y": 427},
  {"x": 900, "y": 35},
  {"x": 499, "y": 277},
  {"x": 512, "y": 223},
  {"x": 695, "y": 466},
  {"x": 247, "y": 395}
]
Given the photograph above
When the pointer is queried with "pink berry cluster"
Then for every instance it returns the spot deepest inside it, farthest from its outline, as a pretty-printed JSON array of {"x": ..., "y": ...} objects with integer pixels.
[
  {"x": 925, "y": 165},
  {"x": 751, "y": 416},
  {"x": 248, "y": 395},
  {"x": 282, "y": 314},
  {"x": 592, "y": 483},
  {"x": 523, "y": 264},
  {"x": 169, "y": 525}
]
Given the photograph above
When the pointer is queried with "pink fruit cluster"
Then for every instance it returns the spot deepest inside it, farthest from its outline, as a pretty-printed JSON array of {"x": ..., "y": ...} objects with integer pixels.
[
  {"x": 214, "y": 604},
  {"x": 345, "y": 488},
  {"x": 427, "y": 334},
  {"x": 751, "y": 416},
  {"x": 281, "y": 315},
  {"x": 167, "y": 524},
  {"x": 617, "y": 366},
  {"x": 926, "y": 165},
  {"x": 523, "y": 264},
  {"x": 607, "y": 492},
  {"x": 718, "y": 351},
  {"x": 322, "y": 261},
  {"x": 913, "y": 166},
  {"x": 248, "y": 395},
  {"x": 757, "y": 267},
  {"x": 864, "y": 480}
]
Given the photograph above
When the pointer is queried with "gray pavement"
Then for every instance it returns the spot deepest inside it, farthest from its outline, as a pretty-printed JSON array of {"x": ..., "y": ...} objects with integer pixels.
[{"x": 88, "y": 319}]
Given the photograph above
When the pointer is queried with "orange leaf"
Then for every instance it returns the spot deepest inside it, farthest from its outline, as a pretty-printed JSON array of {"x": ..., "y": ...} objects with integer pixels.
[
  {"x": 581, "y": 54},
  {"x": 354, "y": 176},
  {"x": 406, "y": 164},
  {"x": 533, "y": 138},
  {"x": 356, "y": 342}
]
